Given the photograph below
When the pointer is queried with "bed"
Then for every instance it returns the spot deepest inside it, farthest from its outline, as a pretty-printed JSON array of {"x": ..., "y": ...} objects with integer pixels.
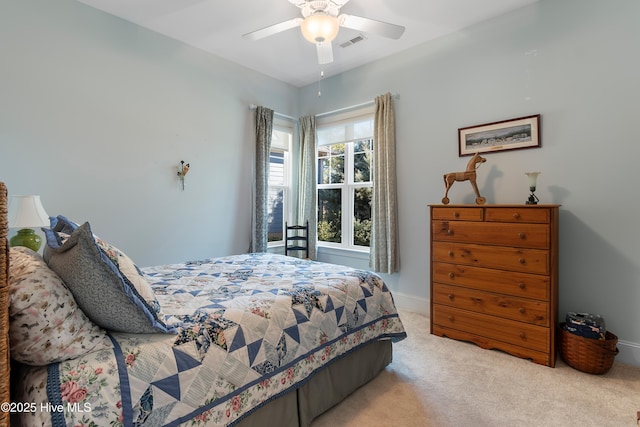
[{"x": 242, "y": 340}]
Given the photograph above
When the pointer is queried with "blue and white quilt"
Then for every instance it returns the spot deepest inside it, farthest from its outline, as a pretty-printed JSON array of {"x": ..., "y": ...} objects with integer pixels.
[{"x": 250, "y": 327}]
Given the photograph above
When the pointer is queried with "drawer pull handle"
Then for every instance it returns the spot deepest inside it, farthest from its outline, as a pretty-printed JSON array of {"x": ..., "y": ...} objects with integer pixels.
[
  {"x": 516, "y": 215},
  {"x": 523, "y": 335},
  {"x": 522, "y": 260},
  {"x": 451, "y": 275},
  {"x": 456, "y": 215},
  {"x": 522, "y": 310},
  {"x": 450, "y": 253},
  {"x": 521, "y": 235},
  {"x": 450, "y": 232},
  {"x": 521, "y": 285},
  {"x": 450, "y": 296},
  {"x": 450, "y": 318}
]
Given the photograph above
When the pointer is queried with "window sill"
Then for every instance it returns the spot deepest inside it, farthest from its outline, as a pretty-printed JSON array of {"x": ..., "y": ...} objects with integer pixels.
[{"x": 349, "y": 253}]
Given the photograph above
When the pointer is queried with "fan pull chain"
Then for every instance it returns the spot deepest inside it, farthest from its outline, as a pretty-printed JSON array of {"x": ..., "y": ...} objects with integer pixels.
[{"x": 319, "y": 81}]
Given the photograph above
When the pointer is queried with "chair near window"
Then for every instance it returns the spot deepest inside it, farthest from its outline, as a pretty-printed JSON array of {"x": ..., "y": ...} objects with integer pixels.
[{"x": 297, "y": 239}]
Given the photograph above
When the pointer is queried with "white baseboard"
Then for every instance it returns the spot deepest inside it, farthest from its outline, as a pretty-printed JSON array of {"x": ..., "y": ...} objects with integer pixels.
[
  {"x": 629, "y": 353},
  {"x": 411, "y": 303}
]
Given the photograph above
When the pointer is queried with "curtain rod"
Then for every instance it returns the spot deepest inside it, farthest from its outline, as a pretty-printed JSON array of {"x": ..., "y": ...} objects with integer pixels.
[
  {"x": 328, "y": 113},
  {"x": 275, "y": 113},
  {"x": 353, "y": 107}
]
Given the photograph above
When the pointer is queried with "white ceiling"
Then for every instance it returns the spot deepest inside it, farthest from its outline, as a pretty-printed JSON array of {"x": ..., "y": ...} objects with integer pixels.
[{"x": 217, "y": 26}]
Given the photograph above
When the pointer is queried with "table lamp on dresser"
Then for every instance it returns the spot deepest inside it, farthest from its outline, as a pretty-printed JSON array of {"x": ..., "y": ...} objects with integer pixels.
[{"x": 26, "y": 213}]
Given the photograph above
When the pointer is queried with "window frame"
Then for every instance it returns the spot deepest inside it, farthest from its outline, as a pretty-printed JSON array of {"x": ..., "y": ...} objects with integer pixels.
[{"x": 349, "y": 186}]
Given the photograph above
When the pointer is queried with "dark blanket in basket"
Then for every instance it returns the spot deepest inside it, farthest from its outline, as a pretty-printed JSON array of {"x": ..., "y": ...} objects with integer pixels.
[{"x": 586, "y": 325}]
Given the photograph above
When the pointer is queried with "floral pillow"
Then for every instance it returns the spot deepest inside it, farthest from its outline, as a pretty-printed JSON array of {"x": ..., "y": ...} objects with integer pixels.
[
  {"x": 46, "y": 325},
  {"x": 106, "y": 283}
]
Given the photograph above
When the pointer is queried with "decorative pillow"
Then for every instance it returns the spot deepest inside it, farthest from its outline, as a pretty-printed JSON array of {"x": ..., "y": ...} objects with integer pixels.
[
  {"x": 62, "y": 224},
  {"x": 62, "y": 228},
  {"x": 105, "y": 282},
  {"x": 45, "y": 323}
]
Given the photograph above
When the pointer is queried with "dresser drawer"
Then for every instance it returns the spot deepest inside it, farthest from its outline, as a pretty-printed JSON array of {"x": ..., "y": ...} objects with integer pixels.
[
  {"x": 492, "y": 233},
  {"x": 457, "y": 213},
  {"x": 506, "y": 282},
  {"x": 507, "y": 306},
  {"x": 505, "y": 330},
  {"x": 518, "y": 214},
  {"x": 506, "y": 258}
]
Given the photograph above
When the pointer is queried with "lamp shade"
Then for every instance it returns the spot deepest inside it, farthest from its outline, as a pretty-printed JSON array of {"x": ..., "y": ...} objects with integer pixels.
[
  {"x": 27, "y": 212},
  {"x": 533, "y": 178},
  {"x": 320, "y": 27}
]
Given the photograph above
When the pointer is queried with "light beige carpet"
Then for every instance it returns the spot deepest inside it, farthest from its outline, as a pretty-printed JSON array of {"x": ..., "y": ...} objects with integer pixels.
[{"x": 440, "y": 382}]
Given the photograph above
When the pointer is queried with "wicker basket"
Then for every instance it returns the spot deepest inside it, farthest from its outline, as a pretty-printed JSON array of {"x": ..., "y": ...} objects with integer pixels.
[
  {"x": 4, "y": 304},
  {"x": 588, "y": 355}
]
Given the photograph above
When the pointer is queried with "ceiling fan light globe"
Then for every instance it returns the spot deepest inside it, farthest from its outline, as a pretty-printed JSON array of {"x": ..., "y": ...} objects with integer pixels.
[{"x": 320, "y": 28}]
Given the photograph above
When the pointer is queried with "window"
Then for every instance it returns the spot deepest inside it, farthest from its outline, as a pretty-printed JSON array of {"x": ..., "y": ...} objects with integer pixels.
[
  {"x": 279, "y": 182},
  {"x": 344, "y": 158}
]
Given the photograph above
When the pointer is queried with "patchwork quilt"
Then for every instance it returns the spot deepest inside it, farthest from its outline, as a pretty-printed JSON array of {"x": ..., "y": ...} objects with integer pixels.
[{"x": 249, "y": 328}]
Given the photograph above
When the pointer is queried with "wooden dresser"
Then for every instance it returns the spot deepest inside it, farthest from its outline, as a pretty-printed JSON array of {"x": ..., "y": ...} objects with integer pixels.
[{"x": 494, "y": 277}]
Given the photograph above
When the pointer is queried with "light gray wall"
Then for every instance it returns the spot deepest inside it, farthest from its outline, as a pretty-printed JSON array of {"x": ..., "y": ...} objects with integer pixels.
[
  {"x": 96, "y": 114},
  {"x": 574, "y": 62}
]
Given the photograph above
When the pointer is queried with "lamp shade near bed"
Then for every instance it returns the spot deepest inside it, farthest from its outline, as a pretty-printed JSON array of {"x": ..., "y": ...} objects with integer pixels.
[{"x": 26, "y": 213}]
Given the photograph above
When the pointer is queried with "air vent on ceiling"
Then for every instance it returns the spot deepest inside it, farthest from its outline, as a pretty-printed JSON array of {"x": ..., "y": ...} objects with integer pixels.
[{"x": 357, "y": 39}]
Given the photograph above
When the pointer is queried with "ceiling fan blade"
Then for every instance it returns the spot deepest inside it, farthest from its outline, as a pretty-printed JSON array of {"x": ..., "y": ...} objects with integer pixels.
[
  {"x": 272, "y": 29},
  {"x": 325, "y": 53},
  {"x": 340, "y": 3},
  {"x": 367, "y": 25}
]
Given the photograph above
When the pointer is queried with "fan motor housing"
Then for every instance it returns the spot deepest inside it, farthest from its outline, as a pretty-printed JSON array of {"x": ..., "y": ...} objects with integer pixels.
[{"x": 320, "y": 6}]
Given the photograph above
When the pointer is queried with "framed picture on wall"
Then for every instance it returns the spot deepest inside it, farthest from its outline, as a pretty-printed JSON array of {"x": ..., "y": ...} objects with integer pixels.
[{"x": 512, "y": 134}]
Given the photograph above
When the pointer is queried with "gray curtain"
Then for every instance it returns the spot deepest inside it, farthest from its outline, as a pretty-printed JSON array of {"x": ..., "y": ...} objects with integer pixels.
[
  {"x": 384, "y": 257},
  {"x": 307, "y": 199},
  {"x": 264, "y": 128}
]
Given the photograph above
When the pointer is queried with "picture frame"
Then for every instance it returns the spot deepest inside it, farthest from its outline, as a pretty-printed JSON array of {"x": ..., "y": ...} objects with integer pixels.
[{"x": 512, "y": 134}]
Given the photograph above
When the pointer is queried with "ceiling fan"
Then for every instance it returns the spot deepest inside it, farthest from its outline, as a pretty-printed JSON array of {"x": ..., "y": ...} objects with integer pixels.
[{"x": 320, "y": 23}]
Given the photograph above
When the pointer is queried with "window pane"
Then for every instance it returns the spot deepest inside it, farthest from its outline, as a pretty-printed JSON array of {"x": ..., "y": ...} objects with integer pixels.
[
  {"x": 337, "y": 149},
  {"x": 362, "y": 161},
  {"x": 324, "y": 165},
  {"x": 330, "y": 215},
  {"x": 275, "y": 211},
  {"x": 276, "y": 168},
  {"x": 331, "y": 164},
  {"x": 362, "y": 217}
]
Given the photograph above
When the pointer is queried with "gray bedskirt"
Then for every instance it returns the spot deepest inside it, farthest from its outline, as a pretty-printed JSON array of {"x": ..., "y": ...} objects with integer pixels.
[{"x": 324, "y": 389}]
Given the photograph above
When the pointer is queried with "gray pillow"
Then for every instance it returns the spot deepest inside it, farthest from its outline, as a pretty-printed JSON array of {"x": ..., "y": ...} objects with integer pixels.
[{"x": 103, "y": 292}]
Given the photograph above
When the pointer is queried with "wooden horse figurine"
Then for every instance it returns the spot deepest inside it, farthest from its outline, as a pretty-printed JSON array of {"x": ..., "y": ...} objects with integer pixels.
[{"x": 468, "y": 175}]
